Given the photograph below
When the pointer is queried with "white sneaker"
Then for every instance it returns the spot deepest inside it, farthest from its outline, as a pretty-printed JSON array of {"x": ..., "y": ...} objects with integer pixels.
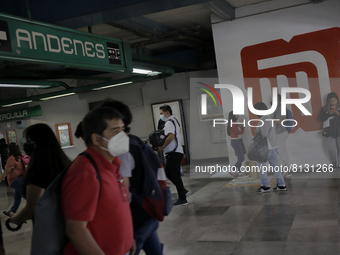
[
  {"x": 233, "y": 175},
  {"x": 242, "y": 175},
  {"x": 164, "y": 247}
]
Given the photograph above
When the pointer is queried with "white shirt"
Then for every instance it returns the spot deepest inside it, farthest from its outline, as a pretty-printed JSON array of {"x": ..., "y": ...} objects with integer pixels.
[
  {"x": 170, "y": 128},
  {"x": 128, "y": 164}
]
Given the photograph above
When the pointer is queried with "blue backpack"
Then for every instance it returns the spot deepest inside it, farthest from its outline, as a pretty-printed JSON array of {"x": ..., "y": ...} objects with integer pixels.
[
  {"x": 155, "y": 197},
  {"x": 290, "y": 122}
]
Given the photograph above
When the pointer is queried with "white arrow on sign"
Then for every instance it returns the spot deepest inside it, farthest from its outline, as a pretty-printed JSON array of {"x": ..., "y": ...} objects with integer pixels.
[{"x": 3, "y": 35}]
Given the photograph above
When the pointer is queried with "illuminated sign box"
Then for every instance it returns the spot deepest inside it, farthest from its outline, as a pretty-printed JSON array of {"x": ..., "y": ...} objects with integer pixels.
[{"x": 41, "y": 43}]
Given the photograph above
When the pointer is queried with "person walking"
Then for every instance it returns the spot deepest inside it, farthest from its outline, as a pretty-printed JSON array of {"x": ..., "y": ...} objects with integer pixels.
[
  {"x": 15, "y": 170},
  {"x": 268, "y": 131},
  {"x": 173, "y": 150},
  {"x": 97, "y": 214},
  {"x": 235, "y": 131},
  {"x": 47, "y": 161}
]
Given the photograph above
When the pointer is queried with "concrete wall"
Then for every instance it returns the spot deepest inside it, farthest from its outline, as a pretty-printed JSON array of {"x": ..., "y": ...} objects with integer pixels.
[{"x": 207, "y": 141}]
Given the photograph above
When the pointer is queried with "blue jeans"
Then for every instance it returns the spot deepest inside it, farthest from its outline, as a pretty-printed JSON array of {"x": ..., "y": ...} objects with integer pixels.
[
  {"x": 146, "y": 238},
  {"x": 18, "y": 194},
  {"x": 272, "y": 158},
  {"x": 237, "y": 145}
]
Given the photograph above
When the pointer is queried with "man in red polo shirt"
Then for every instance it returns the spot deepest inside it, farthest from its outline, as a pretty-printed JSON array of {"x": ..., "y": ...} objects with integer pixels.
[{"x": 97, "y": 214}]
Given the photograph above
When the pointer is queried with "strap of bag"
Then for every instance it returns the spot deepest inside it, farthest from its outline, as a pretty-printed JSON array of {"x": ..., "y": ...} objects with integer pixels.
[
  {"x": 88, "y": 156},
  {"x": 175, "y": 135}
]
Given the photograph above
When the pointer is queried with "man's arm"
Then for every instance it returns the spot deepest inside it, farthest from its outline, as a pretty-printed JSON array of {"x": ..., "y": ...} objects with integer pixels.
[
  {"x": 81, "y": 238},
  {"x": 168, "y": 140}
]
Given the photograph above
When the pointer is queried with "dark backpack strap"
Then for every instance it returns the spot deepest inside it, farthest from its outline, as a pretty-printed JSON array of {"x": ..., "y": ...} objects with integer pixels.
[
  {"x": 88, "y": 156},
  {"x": 173, "y": 124},
  {"x": 175, "y": 135},
  {"x": 177, "y": 121}
]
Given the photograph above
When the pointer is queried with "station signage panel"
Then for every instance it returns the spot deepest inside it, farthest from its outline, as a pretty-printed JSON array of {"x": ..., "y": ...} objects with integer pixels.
[
  {"x": 41, "y": 43},
  {"x": 21, "y": 113}
]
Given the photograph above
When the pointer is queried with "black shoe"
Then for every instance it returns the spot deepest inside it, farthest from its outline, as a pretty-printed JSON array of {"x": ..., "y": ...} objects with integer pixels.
[
  {"x": 280, "y": 188},
  {"x": 263, "y": 189},
  {"x": 181, "y": 202},
  {"x": 187, "y": 192},
  {"x": 6, "y": 213}
]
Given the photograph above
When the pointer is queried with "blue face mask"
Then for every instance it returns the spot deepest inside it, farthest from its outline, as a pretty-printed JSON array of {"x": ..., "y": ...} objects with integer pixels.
[{"x": 163, "y": 118}]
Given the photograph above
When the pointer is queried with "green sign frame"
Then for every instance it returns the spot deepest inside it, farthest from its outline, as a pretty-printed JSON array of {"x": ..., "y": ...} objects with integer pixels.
[
  {"x": 41, "y": 43},
  {"x": 21, "y": 113}
]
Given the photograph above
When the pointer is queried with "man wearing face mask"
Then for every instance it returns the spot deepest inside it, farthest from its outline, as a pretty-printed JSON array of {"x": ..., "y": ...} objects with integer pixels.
[
  {"x": 173, "y": 150},
  {"x": 97, "y": 213},
  {"x": 140, "y": 182}
]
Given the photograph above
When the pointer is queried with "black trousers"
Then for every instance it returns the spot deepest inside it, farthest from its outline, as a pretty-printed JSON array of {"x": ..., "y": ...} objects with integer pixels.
[{"x": 173, "y": 172}]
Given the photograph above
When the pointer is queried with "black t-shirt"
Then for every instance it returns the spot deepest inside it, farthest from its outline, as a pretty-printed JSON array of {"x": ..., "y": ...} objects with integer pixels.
[
  {"x": 161, "y": 124},
  {"x": 39, "y": 177}
]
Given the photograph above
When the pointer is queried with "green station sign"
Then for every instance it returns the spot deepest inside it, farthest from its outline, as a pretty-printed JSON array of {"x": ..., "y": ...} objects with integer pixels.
[
  {"x": 21, "y": 113},
  {"x": 40, "y": 43}
]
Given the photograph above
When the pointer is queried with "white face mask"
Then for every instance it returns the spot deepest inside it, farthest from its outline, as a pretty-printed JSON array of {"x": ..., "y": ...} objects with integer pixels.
[
  {"x": 117, "y": 145},
  {"x": 163, "y": 117}
]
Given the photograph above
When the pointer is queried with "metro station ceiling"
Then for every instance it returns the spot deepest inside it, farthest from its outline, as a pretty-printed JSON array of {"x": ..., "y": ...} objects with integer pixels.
[{"x": 169, "y": 33}]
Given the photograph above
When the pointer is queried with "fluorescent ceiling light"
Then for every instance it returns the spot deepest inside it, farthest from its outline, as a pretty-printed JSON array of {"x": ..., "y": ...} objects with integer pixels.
[
  {"x": 23, "y": 102},
  {"x": 141, "y": 71},
  {"x": 154, "y": 73},
  {"x": 2, "y": 85},
  {"x": 52, "y": 97},
  {"x": 113, "y": 85},
  {"x": 147, "y": 72}
]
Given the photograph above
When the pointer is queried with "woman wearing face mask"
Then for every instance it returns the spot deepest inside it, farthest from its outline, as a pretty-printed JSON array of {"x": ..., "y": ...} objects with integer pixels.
[
  {"x": 235, "y": 132},
  {"x": 330, "y": 115},
  {"x": 47, "y": 161}
]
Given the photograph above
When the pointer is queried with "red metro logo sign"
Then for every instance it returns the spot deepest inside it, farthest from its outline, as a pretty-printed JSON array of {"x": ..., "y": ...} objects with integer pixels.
[{"x": 310, "y": 61}]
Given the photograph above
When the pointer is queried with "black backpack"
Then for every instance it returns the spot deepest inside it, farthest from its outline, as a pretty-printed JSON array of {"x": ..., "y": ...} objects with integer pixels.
[
  {"x": 158, "y": 137},
  {"x": 49, "y": 237}
]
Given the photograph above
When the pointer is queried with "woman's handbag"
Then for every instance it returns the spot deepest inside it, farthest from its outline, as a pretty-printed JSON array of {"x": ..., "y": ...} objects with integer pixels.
[
  {"x": 327, "y": 132},
  {"x": 258, "y": 149}
]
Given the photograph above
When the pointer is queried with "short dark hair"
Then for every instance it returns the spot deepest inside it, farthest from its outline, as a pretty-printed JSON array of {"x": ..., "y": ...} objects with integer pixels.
[
  {"x": 260, "y": 106},
  {"x": 166, "y": 108},
  {"x": 123, "y": 109},
  {"x": 94, "y": 122},
  {"x": 79, "y": 131},
  {"x": 14, "y": 150},
  {"x": 332, "y": 95}
]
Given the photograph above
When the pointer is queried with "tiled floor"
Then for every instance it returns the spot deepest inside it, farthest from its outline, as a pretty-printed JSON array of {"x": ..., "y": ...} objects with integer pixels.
[{"x": 219, "y": 220}]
